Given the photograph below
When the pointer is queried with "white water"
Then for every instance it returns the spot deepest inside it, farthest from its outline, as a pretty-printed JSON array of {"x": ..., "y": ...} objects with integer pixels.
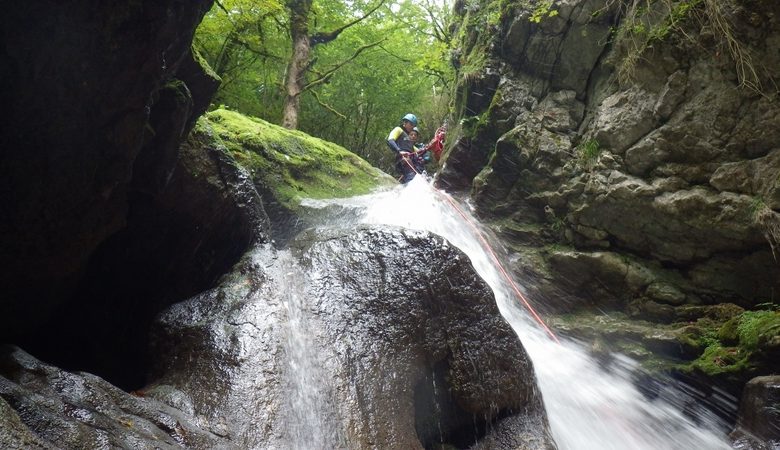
[
  {"x": 588, "y": 407},
  {"x": 313, "y": 424}
]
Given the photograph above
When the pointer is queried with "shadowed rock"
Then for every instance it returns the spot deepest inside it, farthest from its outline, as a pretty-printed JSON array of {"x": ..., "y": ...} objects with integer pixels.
[
  {"x": 80, "y": 81},
  {"x": 758, "y": 424}
]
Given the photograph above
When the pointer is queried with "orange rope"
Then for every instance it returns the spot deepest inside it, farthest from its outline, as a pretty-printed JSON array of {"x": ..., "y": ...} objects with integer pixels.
[{"x": 497, "y": 262}]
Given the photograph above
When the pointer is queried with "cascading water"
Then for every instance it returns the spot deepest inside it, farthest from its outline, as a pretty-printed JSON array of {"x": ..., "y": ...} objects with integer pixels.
[
  {"x": 313, "y": 423},
  {"x": 588, "y": 407}
]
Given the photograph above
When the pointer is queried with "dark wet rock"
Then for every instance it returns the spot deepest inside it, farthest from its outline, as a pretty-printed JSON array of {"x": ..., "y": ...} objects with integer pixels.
[
  {"x": 454, "y": 315},
  {"x": 79, "y": 82},
  {"x": 14, "y": 433},
  {"x": 758, "y": 424},
  {"x": 44, "y": 407},
  {"x": 513, "y": 433},
  {"x": 176, "y": 243},
  {"x": 392, "y": 335}
]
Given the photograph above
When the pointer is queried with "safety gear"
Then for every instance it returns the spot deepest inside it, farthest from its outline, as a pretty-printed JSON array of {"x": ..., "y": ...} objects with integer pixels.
[
  {"x": 399, "y": 141},
  {"x": 416, "y": 130},
  {"x": 437, "y": 143},
  {"x": 411, "y": 118}
]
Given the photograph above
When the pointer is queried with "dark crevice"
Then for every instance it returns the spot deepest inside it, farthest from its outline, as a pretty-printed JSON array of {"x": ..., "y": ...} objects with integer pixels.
[
  {"x": 439, "y": 420},
  {"x": 160, "y": 258}
]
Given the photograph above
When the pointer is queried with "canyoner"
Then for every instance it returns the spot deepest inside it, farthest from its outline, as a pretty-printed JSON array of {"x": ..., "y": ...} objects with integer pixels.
[{"x": 412, "y": 157}]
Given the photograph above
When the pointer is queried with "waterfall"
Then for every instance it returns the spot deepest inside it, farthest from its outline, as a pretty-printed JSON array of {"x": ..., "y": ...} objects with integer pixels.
[
  {"x": 313, "y": 423},
  {"x": 588, "y": 407}
]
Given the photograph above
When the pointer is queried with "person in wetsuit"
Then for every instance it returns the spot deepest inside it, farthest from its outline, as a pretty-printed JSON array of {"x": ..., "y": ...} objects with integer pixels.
[{"x": 398, "y": 140}]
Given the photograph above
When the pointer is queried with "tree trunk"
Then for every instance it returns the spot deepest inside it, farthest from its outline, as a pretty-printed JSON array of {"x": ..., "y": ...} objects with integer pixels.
[{"x": 299, "y": 61}]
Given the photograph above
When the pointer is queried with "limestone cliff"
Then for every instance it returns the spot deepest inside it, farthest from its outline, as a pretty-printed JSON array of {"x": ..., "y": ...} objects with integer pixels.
[{"x": 629, "y": 155}]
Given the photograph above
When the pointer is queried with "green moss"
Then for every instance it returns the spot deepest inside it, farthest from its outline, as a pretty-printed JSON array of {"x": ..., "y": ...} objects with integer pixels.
[
  {"x": 543, "y": 10},
  {"x": 291, "y": 164},
  {"x": 724, "y": 349},
  {"x": 757, "y": 328},
  {"x": 718, "y": 360},
  {"x": 204, "y": 64},
  {"x": 741, "y": 346},
  {"x": 728, "y": 333}
]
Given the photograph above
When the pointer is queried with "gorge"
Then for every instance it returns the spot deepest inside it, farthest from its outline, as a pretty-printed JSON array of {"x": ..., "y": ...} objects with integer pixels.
[{"x": 161, "y": 290}]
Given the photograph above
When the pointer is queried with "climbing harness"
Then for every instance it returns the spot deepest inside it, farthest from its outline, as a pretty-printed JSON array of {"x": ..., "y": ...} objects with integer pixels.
[{"x": 493, "y": 255}]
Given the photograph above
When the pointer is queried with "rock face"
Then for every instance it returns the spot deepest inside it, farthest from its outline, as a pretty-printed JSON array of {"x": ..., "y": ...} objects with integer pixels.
[
  {"x": 106, "y": 218},
  {"x": 628, "y": 177},
  {"x": 757, "y": 427},
  {"x": 43, "y": 407},
  {"x": 91, "y": 89},
  {"x": 374, "y": 338}
]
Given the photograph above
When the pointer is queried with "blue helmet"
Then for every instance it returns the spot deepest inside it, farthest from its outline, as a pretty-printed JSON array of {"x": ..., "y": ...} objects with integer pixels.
[{"x": 411, "y": 118}]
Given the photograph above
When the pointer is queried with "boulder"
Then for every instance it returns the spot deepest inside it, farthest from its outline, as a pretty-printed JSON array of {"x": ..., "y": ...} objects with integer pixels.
[
  {"x": 757, "y": 423},
  {"x": 374, "y": 337}
]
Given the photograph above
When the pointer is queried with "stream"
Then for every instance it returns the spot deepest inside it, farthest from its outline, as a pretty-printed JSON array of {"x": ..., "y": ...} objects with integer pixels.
[{"x": 589, "y": 405}]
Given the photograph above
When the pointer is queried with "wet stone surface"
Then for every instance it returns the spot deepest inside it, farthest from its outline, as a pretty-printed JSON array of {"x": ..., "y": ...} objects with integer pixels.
[{"x": 371, "y": 338}]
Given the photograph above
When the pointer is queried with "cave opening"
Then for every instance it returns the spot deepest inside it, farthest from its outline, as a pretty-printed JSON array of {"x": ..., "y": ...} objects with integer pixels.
[
  {"x": 440, "y": 421},
  {"x": 103, "y": 326}
]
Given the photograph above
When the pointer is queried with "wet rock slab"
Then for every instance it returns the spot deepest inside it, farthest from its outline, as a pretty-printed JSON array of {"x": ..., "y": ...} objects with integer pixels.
[{"x": 43, "y": 407}]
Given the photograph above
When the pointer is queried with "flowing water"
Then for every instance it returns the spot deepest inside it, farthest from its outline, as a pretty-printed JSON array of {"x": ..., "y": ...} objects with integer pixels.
[
  {"x": 589, "y": 407},
  {"x": 313, "y": 423}
]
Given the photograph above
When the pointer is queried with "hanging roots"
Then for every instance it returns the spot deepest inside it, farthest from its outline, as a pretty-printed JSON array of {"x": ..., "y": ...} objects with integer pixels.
[{"x": 770, "y": 224}]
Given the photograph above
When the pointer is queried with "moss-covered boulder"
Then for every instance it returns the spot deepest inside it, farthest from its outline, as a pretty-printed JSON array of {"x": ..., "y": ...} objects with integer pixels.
[
  {"x": 288, "y": 165},
  {"x": 720, "y": 345},
  {"x": 745, "y": 346}
]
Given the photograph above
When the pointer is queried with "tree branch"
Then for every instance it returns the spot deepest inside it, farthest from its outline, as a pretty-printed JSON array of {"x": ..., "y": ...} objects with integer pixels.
[
  {"x": 326, "y": 75},
  {"x": 327, "y": 107},
  {"x": 439, "y": 32},
  {"x": 256, "y": 51},
  {"x": 222, "y": 7},
  {"x": 325, "y": 37},
  {"x": 395, "y": 55}
]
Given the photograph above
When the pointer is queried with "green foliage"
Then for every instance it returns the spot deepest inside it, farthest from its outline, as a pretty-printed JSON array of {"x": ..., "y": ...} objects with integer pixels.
[
  {"x": 292, "y": 164},
  {"x": 646, "y": 22},
  {"x": 588, "y": 153},
  {"x": 477, "y": 34},
  {"x": 558, "y": 224},
  {"x": 590, "y": 149},
  {"x": 543, "y": 9},
  {"x": 768, "y": 220},
  {"x": 246, "y": 45},
  {"x": 757, "y": 205},
  {"x": 756, "y": 327},
  {"x": 249, "y": 47}
]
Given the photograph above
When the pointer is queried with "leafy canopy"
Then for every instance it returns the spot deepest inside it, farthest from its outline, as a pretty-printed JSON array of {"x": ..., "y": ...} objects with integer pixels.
[{"x": 248, "y": 45}]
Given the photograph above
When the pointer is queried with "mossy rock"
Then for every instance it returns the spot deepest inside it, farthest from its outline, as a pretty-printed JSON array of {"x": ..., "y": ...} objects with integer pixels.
[
  {"x": 741, "y": 348},
  {"x": 289, "y": 164}
]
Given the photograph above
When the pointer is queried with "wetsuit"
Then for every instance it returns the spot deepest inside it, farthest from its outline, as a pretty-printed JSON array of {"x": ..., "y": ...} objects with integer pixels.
[{"x": 399, "y": 141}]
